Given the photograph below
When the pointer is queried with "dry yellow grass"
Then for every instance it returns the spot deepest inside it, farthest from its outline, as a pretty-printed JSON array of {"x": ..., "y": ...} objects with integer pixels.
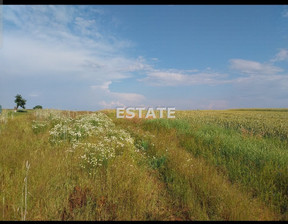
[{"x": 155, "y": 178}]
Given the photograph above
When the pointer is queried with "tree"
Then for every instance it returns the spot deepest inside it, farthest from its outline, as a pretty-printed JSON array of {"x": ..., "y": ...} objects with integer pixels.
[
  {"x": 38, "y": 107},
  {"x": 20, "y": 101}
]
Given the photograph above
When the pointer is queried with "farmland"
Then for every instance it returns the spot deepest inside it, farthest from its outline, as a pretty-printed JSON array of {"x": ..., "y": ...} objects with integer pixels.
[{"x": 202, "y": 165}]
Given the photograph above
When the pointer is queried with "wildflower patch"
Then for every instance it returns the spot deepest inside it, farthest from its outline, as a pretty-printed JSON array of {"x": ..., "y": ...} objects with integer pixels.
[{"x": 108, "y": 140}]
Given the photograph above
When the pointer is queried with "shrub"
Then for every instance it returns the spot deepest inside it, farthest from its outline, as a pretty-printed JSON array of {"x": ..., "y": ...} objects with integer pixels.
[
  {"x": 22, "y": 111},
  {"x": 37, "y": 107}
]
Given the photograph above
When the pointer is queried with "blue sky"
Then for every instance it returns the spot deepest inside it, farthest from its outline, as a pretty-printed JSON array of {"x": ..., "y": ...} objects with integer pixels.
[{"x": 105, "y": 56}]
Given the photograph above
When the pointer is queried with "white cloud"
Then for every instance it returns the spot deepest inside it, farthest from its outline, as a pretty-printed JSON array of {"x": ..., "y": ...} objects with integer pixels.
[
  {"x": 281, "y": 56},
  {"x": 253, "y": 67},
  {"x": 35, "y": 58},
  {"x": 104, "y": 86},
  {"x": 86, "y": 27},
  {"x": 264, "y": 84},
  {"x": 261, "y": 76},
  {"x": 116, "y": 98},
  {"x": 73, "y": 26},
  {"x": 60, "y": 41},
  {"x": 177, "y": 78}
]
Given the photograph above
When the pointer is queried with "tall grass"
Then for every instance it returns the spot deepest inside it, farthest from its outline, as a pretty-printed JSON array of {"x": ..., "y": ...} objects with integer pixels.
[
  {"x": 258, "y": 164},
  {"x": 92, "y": 166},
  {"x": 198, "y": 191},
  {"x": 58, "y": 188},
  {"x": 26, "y": 190}
]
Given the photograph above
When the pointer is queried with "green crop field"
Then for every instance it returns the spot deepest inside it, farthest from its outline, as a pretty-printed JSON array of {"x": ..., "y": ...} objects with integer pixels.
[{"x": 202, "y": 165}]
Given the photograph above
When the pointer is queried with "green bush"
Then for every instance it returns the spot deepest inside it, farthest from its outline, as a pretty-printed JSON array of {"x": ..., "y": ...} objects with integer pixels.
[
  {"x": 22, "y": 111},
  {"x": 37, "y": 107}
]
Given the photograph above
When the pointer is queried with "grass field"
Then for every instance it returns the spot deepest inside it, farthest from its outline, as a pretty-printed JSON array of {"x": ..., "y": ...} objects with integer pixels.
[{"x": 202, "y": 165}]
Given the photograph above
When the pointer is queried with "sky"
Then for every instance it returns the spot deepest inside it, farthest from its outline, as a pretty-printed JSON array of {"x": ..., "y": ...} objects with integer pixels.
[{"x": 93, "y": 57}]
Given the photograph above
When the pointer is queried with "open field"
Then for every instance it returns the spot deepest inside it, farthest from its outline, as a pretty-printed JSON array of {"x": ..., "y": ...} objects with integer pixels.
[{"x": 202, "y": 165}]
